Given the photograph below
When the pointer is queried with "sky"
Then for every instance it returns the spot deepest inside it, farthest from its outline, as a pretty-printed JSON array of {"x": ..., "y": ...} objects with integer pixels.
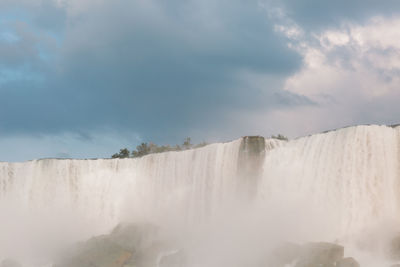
[{"x": 84, "y": 78}]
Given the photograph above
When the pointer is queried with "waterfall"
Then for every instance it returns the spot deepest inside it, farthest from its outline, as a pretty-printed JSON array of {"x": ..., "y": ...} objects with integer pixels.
[
  {"x": 349, "y": 177},
  {"x": 333, "y": 186},
  {"x": 82, "y": 198}
]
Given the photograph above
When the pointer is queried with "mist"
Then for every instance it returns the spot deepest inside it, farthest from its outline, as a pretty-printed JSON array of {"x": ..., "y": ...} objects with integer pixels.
[{"x": 227, "y": 204}]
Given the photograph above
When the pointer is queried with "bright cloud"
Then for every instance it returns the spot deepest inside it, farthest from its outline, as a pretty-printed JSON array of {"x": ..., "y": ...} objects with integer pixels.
[{"x": 350, "y": 72}]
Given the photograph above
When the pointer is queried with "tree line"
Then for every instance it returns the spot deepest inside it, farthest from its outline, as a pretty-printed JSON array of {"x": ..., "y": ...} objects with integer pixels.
[{"x": 151, "y": 148}]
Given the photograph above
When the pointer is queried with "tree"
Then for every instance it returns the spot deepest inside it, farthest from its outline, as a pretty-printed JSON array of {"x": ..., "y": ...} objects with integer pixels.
[
  {"x": 153, "y": 148},
  {"x": 149, "y": 148},
  {"x": 123, "y": 153},
  {"x": 141, "y": 150}
]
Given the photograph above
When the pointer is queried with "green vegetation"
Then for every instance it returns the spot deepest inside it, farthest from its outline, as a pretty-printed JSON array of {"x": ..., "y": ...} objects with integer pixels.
[
  {"x": 151, "y": 148},
  {"x": 123, "y": 153},
  {"x": 280, "y": 137}
]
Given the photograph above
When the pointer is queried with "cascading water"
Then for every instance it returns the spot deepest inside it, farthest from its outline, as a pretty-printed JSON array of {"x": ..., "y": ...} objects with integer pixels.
[
  {"x": 352, "y": 174},
  {"x": 334, "y": 186},
  {"x": 76, "y": 199},
  {"x": 340, "y": 186}
]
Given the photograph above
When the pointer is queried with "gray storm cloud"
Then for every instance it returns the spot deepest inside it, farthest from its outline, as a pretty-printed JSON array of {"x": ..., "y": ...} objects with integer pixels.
[{"x": 160, "y": 72}]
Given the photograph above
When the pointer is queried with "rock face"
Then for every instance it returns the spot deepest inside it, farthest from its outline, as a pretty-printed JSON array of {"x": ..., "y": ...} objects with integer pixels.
[
  {"x": 132, "y": 245},
  {"x": 101, "y": 252},
  {"x": 140, "y": 245},
  {"x": 251, "y": 158},
  {"x": 135, "y": 236},
  {"x": 311, "y": 255},
  {"x": 320, "y": 254}
]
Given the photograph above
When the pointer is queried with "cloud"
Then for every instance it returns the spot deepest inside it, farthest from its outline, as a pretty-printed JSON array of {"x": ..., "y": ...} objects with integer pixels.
[
  {"x": 351, "y": 73},
  {"x": 213, "y": 70},
  {"x": 319, "y": 14},
  {"x": 147, "y": 67}
]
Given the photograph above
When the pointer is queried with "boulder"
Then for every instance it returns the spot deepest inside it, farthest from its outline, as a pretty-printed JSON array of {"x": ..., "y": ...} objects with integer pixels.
[
  {"x": 135, "y": 236},
  {"x": 308, "y": 255},
  {"x": 128, "y": 245},
  {"x": 98, "y": 252}
]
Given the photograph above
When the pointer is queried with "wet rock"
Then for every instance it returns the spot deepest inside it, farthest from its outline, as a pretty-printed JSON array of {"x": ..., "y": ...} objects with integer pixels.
[
  {"x": 320, "y": 254},
  {"x": 251, "y": 159},
  {"x": 98, "y": 252},
  {"x": 128, "y": 245},
  {"x": 135, "y": 236},
  {"x": 347, "y": 262},
  {"x": 308, "y": 255},
  {"x": 323, "y": 252},
  {"x": 9, "y": 263}
]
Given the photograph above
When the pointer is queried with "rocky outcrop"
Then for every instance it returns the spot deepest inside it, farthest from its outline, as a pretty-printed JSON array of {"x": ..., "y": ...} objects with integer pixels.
[
  {"x": 251, "y": 158},
  {"x": 130, "y": 245},
  {"x": 98, "y": 252},
  {"x": 311, "y": 255},
  {"x": 320, "y": 254},
  {"x": 141, "y": 245}
]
